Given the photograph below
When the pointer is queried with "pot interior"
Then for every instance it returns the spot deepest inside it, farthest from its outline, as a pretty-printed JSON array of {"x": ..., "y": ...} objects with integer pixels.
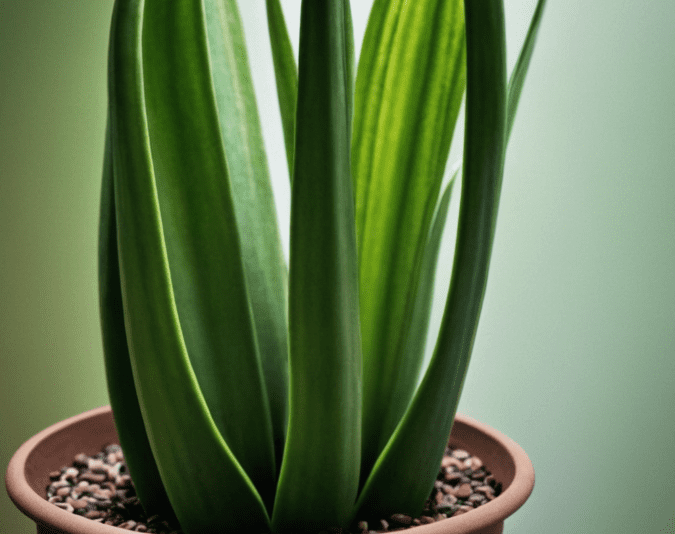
[
  {"x": 88, "y": 435},
  {"x": 494, "y": 456}
]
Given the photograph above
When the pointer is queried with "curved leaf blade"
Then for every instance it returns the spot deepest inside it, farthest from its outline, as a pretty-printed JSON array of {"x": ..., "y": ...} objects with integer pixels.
[
  {"x": 198, "y": 207},
  {"x": 416, "y": 340},
  {"x": 517, "y": 79},
  {"x": 193, "y": 458},
  {"x": 259, "y": 240},
  {"x": 409, "y": 87},
  {"x": 286, "y": 74},
  {"x": 320, "y": 472},
  {"x": 119, "y": 378},
  {"x": 411, "y": 458}
]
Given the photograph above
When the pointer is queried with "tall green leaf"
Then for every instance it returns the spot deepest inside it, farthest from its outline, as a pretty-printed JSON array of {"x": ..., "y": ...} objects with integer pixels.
[
  {"x": 320, "y": 471},
  {"x": 413, "y": 454},
  {"x": 286, "y": 74},
  {"x": 183, "y": 284},
  {"x": 517, "y": 79},
  {"x": 416, "y": 340},
  {"x": 409, "y": 86},
  {"x": 119, "y": 377},
  {"x": 253, "y": 200}
]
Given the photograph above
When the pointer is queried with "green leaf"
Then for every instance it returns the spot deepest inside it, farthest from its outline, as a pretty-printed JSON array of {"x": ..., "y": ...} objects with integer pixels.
[
  {"x": 254, "y": 207},
  {"x": 286, "y": 74},
  {"x": 409, "y": 87},
  {"x": 411, "y": 458},
  {"x": 319, "y": 476},
  {"x": 183, "y": 284},
  {"x": 520, "y": 70},
  {"x": 416, "y": 339},
  {"x": 119, "y": 377}
]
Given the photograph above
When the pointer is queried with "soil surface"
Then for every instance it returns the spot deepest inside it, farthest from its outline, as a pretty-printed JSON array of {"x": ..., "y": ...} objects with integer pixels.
[{"x": 100, "y": 488}]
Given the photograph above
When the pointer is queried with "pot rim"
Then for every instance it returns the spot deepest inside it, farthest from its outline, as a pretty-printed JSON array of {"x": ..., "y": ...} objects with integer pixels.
[{"x": 43, "y": 512}]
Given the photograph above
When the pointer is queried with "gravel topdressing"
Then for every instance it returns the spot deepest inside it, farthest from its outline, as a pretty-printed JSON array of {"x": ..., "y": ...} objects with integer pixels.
[{"x": 99, "y": 488}]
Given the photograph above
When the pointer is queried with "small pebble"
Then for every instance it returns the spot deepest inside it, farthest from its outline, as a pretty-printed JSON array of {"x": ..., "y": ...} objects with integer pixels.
[
  {"x": 401, "y": 519},
  {"x": 476, "y": 499},
  {"x": 77, "y": 504},
  {"x": 448, "y": 500},
  {"x": 463, "y": 491},
  {"x": 93, "y": 477},
  {"x": 59, "y": 484},
  {"x": 97, "y": 466},
  {"x": 452, "y": 477},
  {"x": 123, "y": 481},
  {"x": 460, "y": 454},
  {"x": 61, "y": 492},
  {"x": 93, "y": 514},
  {"x": 81, "y": 460},
  {"x": 456, "y": 463}
]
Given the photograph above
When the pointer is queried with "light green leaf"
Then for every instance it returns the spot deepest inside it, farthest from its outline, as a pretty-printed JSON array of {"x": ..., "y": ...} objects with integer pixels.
[
  {"x": 286, "y": 74},
  {"x": 409, "y": 87},
  {"x": 411, "y": 458},
  {"x": 119, "y": 377},
  {"x": 183, "y": 284},
  {"x": 416, "y": 340},
  {"x": 320, "y": 471},
  {"x": 264, "y": 266}
]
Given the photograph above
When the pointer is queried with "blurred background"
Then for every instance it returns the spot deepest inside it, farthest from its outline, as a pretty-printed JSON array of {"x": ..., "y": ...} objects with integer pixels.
[{"x": 574, "y": 355}]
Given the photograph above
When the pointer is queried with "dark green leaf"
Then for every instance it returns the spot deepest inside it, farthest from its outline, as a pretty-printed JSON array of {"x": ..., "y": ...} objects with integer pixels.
[
  {"x": 286, "y": 75},
  {"x": 119, "y": 377},
  {"x": 253, "y": 201},
  {"x": 183, "y": 284},
  {"x": 320, "y": 472}
]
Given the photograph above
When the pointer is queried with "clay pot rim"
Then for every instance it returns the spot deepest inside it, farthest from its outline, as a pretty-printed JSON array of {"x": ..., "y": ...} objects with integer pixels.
[{"x": 41, "y": 511}]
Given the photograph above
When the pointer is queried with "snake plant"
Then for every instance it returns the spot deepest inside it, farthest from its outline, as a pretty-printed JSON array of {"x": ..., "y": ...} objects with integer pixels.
[{"x": 254, "y": 396}]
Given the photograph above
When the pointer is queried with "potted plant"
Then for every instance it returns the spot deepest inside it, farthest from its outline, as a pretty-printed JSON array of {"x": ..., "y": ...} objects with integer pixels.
[{"x": 248, "y": 396}]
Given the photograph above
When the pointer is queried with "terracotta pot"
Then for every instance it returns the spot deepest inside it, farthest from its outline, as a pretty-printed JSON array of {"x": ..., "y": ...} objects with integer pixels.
[{"x": 28, "y": 474}]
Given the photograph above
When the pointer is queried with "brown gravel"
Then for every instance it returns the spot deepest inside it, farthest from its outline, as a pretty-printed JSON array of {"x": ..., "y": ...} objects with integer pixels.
[{"x": 101, "y": 489}]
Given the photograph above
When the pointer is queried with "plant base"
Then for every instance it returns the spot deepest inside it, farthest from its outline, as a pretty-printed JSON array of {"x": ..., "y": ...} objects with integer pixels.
[{"x": 28, "y": 474}]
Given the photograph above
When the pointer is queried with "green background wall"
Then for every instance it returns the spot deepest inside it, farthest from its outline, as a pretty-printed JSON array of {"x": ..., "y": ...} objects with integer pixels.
[{"x": 574, "y": 357}]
